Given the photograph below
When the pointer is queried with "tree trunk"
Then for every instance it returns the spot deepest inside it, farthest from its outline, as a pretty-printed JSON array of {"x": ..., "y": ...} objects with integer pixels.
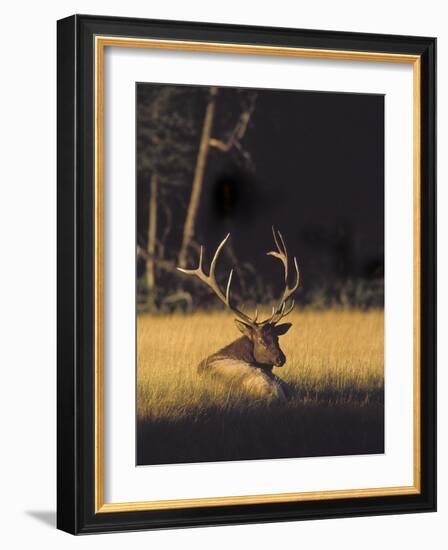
[
  {"x": 152, "y": 230},
  {"x": 195, "y": 196}
]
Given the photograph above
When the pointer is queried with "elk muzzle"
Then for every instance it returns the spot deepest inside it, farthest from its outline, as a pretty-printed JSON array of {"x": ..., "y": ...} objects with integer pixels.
[{"x": 280, "y": 360}]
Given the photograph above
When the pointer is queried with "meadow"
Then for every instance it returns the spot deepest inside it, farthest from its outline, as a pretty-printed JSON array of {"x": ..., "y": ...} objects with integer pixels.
[{"x": 335, "y": 365}]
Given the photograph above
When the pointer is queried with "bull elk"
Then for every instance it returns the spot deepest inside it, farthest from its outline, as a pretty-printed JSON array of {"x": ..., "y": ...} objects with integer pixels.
[{"x": 246, "y": 364}]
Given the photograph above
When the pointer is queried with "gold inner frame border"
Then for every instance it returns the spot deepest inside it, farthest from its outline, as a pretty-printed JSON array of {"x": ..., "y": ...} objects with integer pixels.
[{"x": 100, "y": 43}]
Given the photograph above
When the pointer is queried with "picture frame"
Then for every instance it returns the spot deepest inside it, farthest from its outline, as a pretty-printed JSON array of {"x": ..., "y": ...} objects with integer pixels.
[{"x": 82, "y": 202}]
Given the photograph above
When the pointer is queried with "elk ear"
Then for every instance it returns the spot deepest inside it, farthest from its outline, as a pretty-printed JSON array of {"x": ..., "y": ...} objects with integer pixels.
[
  {"x": 245, "y": 329},
  {"x": 282, "y": 329}
]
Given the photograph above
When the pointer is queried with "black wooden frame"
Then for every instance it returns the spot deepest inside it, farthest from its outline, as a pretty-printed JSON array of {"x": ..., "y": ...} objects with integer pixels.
[{"x": 75, "y": 172}]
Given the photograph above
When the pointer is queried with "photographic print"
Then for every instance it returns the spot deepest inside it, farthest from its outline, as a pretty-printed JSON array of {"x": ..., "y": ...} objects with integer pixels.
[{"x": 260, "y": 273}]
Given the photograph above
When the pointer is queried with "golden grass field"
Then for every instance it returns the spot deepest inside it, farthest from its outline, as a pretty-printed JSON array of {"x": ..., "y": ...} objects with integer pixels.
[{"x": 335, "y": 365}]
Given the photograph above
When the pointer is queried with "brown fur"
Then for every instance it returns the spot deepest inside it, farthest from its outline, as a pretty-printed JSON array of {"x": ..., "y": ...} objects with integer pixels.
[{"x": 235, "y": 366}]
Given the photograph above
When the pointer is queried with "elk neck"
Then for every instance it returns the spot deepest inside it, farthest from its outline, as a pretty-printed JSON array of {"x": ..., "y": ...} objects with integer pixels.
[{"x": 241, "y": 349}]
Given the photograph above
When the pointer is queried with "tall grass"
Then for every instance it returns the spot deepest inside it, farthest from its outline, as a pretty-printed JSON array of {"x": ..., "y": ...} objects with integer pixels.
[{"x": 334, "y": 365}]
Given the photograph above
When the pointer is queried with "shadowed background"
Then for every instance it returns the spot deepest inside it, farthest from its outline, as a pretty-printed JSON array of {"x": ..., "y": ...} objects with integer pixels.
[{"x": 310, "y": 163}]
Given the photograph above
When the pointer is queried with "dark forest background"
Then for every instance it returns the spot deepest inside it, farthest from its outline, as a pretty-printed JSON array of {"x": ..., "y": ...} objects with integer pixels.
[{"x": 212, "y": 161}]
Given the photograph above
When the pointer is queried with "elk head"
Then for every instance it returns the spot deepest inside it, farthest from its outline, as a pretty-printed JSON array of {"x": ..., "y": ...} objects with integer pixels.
[{"x": 262, "y": 334}]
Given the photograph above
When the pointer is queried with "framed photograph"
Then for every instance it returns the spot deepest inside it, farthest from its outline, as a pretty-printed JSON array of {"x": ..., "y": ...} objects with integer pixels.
[{"x": 246, "y": 274}]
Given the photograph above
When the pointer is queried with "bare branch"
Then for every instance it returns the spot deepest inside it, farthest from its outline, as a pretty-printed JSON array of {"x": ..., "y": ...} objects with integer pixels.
[{"x": 238, "y": 132}]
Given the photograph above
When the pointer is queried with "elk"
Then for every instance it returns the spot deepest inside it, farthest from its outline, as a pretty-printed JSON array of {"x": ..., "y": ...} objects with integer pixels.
[{"x": 246, "y": 364}]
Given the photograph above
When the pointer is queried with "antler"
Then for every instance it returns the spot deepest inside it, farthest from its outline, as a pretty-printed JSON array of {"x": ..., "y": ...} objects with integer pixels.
[
  {"x": 282, "y": 254},
  {"x": 210, "y": 281}
]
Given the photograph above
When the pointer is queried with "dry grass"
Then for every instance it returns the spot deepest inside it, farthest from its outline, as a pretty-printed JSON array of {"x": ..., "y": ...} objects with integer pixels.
[{"x": 334, "y": 364}]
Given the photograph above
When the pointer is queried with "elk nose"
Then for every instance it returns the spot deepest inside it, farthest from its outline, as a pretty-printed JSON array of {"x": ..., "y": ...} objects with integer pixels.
[{"x": 281, "y": 359}]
